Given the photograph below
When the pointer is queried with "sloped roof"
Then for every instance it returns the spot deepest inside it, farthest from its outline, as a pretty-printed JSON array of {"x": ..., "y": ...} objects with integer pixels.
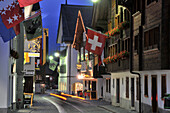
[
  {"x": 78, "y": 37},
  {"x": 69, "y": 18}
]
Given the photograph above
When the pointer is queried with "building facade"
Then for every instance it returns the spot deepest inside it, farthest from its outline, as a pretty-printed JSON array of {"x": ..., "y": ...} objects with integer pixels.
[{"x": 68, "y": 80}]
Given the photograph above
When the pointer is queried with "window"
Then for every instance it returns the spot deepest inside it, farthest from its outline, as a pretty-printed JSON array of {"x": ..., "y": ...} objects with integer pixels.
[
  {"x": 118, "y": 46},
  {"x": 111, "y": 50},
  {"x": 151, "y": 38},
  {"x": 122, "y": 81},
  {"x": 146, "y": 38},
  {"x": 107, "y": 85},
  {"x": 89, "y": 85},
  {"x": 127, "y": 87},
  {"x": 146, "y": 85},
  {"x": 137, "y": 5},
  {"x": 156, "y": 35},
  {"x": 136, "y": 43},
  {"x": 113, "y": 83},
  {"x": 127, "y": 44},
  {"x": 93, "y": 85},
  {"x": 163, "y": 85},
  {"x": 126, "y": 15},
  {"x": 117, "y": 20},
  {"x": 123, "y": 48},
  {"x": 137, "y": 88},
  {"x": 85, "y": 83},
  {"x": 150, "y": 1},
  {"x": 116, "y": 49}
]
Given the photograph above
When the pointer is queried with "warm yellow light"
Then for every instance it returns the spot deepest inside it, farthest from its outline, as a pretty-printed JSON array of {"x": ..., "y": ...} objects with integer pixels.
[
  {"x": 80, "y": 76},
  {"x": 58, "y": 96},
  {"x": 78, "y": 97},
  {"x": 73, "y": 96}
]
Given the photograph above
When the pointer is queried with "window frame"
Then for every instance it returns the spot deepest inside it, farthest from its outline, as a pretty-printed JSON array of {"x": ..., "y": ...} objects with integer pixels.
[
  {"x": 163, "y": 85},
  {"x": 127, "y": 87},
  {"x": 146, "y": 86}
]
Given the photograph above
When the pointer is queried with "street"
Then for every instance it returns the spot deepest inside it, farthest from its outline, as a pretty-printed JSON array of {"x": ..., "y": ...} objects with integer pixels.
[{"x": 45, "y": 103}]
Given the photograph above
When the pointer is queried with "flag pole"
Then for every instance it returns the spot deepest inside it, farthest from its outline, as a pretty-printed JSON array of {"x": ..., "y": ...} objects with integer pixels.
[{"x": 97, "y": 31}]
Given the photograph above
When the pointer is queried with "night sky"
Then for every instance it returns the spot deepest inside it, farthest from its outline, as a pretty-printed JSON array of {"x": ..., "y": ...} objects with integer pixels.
[{"x": 50, "y": 17}]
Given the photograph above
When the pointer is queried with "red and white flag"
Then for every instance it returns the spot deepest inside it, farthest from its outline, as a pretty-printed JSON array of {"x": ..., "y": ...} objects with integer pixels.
[
  {"x": 11, "y": 13},
  {"x": 24, "y": 3},
  {"x": 95, "y": 42}
]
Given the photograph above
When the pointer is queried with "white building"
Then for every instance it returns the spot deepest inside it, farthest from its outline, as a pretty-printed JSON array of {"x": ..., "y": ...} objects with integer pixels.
[{"x": 68, "y": 81}]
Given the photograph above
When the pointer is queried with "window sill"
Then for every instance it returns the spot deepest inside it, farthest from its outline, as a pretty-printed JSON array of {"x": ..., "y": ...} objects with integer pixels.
[
  {"x": 162, "y": 99},
  {"x": 150, "y": 50},
  {"x": 151, "y": 4},
  {"x": 146, "y": 96}
]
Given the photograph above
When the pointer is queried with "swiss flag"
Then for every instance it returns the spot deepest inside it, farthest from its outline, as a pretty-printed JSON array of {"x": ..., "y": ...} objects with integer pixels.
[
  {"x": 24, "y": 3},
  {"x": 95, "y": 42},
  {"x": 11, "y": 13}
]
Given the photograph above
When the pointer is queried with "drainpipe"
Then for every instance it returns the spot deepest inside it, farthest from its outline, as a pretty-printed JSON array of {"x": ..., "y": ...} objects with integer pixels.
[
  {"x": 131, "y": 58},
  {"x": 70, "y": 69}
]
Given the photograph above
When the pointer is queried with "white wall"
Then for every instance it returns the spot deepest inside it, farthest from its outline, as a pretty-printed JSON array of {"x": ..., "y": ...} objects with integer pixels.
[
  {"x": 147, "y": 100},
  {"x": 62, "y": 80},
  {"x": 99, "y": 86},
  {"x": 4, "y": 73}
]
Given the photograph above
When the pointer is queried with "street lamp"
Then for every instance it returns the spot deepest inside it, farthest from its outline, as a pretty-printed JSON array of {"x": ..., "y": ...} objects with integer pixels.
[
  {"x": 51, "y": 57},
  {"x": 56, "y": 54},
  {"x": 94, "y": 1}
]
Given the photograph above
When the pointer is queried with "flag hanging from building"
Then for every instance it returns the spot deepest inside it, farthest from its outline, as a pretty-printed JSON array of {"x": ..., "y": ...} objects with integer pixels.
[
  {"x": 24, "y": 3},
  {"x": 95, "y": 42},
  {"x": 11, "y": 13},
  {"x": 6, "y": 34},
  {"x": 33, "y": 27}
]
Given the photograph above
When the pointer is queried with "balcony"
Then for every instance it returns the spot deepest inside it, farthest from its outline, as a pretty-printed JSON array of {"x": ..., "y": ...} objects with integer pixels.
[{"x": 120, "y": 65}]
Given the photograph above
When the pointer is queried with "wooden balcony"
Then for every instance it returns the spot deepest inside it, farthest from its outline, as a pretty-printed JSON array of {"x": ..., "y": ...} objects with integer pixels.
[{"x": 120, "y": 65}]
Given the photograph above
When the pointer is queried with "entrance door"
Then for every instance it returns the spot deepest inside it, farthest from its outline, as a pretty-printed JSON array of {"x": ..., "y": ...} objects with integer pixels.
[
  {"x": 117, "y": 90},
  {"x": 28, "y": 86},
  {"x": 132, "y": 93},
  {"x": 154, "y": 94}
]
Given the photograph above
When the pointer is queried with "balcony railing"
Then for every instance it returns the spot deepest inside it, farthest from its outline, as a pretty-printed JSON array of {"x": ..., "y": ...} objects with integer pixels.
[{"x": 118, "y": 66}]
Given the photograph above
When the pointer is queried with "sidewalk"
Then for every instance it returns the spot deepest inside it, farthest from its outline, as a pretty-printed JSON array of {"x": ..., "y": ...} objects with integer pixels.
[
  {"x": 40, "y": 105},
  {"x": 107, "y": 105}
]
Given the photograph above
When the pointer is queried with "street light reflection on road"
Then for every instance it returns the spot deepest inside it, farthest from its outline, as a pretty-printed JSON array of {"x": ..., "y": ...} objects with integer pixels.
[
  {"x": 73, "y": 96},
  {"x": 64, "y": 98}
]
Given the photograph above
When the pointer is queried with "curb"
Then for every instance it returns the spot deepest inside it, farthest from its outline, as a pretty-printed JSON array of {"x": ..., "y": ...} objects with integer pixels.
[{"x": 106, "y": 109}]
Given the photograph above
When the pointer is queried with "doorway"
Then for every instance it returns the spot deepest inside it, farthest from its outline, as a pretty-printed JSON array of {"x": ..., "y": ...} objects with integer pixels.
[
  {"x": 132, "y": 93},
  {"x": 28, "y": 85},
  {"x": 117, "y": 90},
  {"x": 154, "y": 97}
]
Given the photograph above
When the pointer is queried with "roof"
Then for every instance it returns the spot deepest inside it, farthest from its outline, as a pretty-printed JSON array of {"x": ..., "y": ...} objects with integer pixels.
[
  {"x": 69, "y": 18},
  {"x": 78, "y": 36}
]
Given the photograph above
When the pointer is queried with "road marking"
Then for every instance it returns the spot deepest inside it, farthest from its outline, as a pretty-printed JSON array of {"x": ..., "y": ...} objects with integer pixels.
[{"x": 60, "y": 108}]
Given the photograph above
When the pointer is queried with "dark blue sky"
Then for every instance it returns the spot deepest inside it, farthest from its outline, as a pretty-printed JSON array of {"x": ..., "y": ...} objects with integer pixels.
[{"x": 50, "y": 17}]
